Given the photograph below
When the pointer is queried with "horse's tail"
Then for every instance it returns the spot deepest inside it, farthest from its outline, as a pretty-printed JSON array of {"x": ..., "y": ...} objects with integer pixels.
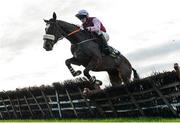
[{"x": 136, "y": 76}]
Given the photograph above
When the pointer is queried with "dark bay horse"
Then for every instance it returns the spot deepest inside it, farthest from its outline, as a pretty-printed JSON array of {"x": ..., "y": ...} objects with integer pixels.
[{"x": 86, "y": 52}]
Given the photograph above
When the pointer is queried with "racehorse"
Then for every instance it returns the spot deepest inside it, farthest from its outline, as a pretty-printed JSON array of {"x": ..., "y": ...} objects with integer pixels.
[{"x": 86, "y": 52}]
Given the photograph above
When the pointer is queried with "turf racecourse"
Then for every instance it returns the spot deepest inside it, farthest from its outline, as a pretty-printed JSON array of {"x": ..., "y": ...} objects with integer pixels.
[{"x": 101, "y": 120}]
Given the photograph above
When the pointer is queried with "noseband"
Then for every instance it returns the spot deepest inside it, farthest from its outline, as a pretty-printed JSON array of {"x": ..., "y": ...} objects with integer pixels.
[{"x": 48, "y": 36}]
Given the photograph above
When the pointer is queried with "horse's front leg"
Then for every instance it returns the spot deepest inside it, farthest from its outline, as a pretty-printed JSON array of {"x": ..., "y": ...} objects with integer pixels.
[
  {"x": 68, "y": 63},
  {"x": 92, "y": 65}
]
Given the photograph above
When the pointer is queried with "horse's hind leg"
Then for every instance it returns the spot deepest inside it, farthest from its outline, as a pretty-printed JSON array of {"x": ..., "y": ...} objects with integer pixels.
[
  {"x": 68, "y": 63},
  {"x": 124, "y": 78},
  {"x": 125, "y": 75},
  {"x": 114, "y": 78}
]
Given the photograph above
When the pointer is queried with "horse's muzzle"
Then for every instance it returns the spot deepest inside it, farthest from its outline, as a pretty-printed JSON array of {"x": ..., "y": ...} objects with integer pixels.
[
  {"x": 48, "y": 49},
  {"x": 47, "y": 46}
]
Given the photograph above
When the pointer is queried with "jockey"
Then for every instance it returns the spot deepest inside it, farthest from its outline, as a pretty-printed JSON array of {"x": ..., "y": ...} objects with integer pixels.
[{"x": 93, "y": 24}]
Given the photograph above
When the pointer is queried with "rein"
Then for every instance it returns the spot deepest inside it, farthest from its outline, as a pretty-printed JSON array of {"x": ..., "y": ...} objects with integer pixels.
[
  {"x": 73, "y": 32},
  {"x": 77, "y": 30}
]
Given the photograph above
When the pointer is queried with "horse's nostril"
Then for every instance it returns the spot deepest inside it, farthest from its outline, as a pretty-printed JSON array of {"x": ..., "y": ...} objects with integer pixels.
[{"x": 48, "y": 47}]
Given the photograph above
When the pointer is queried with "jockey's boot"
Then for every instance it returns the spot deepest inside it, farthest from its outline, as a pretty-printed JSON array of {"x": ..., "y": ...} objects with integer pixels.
[{"x": 105, "y": 47}]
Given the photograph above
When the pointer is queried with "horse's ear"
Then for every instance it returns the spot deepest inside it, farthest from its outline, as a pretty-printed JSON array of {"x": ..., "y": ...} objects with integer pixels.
[
  {"x": 46, "y": 21},
  {"x": 54, "y": 16}
]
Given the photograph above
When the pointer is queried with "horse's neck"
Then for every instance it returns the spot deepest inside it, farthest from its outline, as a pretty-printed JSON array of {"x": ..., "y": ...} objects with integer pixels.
[{"x": 68, "y": 28}]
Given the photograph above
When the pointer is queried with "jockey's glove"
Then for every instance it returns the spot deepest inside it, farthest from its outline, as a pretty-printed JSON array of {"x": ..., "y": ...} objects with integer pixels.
[
  {"x": 80, "y": 26},
  {"x": 89, "y": 29}
]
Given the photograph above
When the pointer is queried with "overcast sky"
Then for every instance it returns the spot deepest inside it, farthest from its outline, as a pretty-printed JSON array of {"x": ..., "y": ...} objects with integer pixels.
[{"x": 147, "y": 32}]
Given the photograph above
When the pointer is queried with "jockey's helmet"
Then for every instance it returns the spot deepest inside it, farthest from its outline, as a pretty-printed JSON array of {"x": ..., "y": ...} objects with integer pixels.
[{"x": 82, "y": 14}]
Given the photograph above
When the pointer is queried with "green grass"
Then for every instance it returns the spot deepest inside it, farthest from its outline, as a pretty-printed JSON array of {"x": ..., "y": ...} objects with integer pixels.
[{"x": 102, "y": 120}]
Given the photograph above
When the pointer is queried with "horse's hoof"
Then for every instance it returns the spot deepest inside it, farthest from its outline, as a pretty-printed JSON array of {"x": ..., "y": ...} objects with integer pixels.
[
  {"x": 98, "y": 82},
  {"x": 78, "y": 73}
]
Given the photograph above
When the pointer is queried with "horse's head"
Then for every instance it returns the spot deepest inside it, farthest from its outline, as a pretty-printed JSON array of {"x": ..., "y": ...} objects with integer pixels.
[{"x": 52, "y": 33}]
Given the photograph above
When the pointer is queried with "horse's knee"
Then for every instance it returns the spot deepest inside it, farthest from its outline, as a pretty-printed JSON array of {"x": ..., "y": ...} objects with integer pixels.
[{"x": 67, "y": 62}]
